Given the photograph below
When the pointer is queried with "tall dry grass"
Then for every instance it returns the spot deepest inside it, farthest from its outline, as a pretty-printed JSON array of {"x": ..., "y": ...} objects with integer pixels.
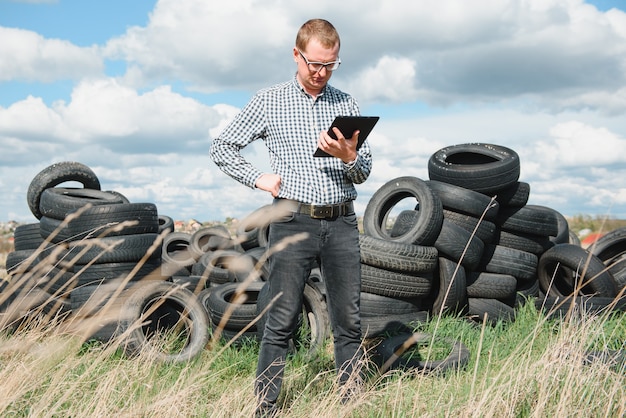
[{"x": 530, "y": 368}]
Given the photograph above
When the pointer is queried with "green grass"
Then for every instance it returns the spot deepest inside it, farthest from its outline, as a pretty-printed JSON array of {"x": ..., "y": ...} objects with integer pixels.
[{"x": 531, "y": 367}]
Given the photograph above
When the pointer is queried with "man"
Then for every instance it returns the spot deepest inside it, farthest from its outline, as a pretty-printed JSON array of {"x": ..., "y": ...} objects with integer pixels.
[{"x": 292, "y": 118}]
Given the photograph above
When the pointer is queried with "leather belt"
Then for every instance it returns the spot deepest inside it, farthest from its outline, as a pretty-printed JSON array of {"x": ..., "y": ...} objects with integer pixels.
[{"x": 323, "y": 211}]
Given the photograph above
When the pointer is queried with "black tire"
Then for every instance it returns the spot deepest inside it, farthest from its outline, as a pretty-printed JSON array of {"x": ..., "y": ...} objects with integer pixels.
[
  {"x": 483, "y": 168},
  {"x": 377, "y": 305},
  {"x": 96, "y": 273},
  {"x": 493, "y": 309},
  {"x": 211, "y": 238},
  {"x": 610, "y": 246},
  {"x": 253, "y": 230},
  {"x": 55, "y": 174},
  {"x": 89, "y": 299},
  {"x": 21, "y": 261},
  {"x": 617, "y": 267},
  {"x": 485, "y": 230},
  {"x": 176, "y": 254},
  {"x": 392, "y": 354},
  {"x": 397, "y": 256},
  {"x": 166, "y": 223},
  {"x": 458, "y": 244},
  {"x": 236, "y": 314},
  {"x": 563, "y": 234},
  {"x": 427, "y": 225},
  {"x": 394, "y": 284},
  {"x": 118, "y": 249},
  {"x": 529, "y": 219},
  {"x": 491, "y": 285},
  {"x": 449, "y": 288},
  {"x": 376, "y": 326},
  {"x": 163, "y": 307},
  {"x": 505, "y": 260},
  {"x": 536, "y": 244},
  {"x": 57, "y": 202},
  {"x": 107, "y": 219},
  {"x": 462, "y": 200},
  {"x": 567, "y": 269},
  {"x": 27, "y": 237},
  {"x": 224, "y": 266},
  {"x": 516, "y": 195},
  {"x": 54, "y": 230}
]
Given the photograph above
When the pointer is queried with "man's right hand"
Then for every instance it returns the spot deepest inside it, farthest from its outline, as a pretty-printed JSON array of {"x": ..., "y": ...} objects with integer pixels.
[{"x": 269, "y": 182}]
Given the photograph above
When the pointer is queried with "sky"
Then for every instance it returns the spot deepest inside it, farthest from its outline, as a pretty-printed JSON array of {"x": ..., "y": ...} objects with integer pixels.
[{"x": 136, "y": 90}]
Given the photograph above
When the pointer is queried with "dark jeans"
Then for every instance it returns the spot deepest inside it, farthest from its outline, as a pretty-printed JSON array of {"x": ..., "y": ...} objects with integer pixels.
[{"x": 335, "y": 243}]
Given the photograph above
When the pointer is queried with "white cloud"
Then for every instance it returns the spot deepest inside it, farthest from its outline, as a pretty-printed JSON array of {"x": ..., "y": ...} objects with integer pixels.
[
  {"x": 28, "y": 56},
  {"x": 546, "y": 78}
]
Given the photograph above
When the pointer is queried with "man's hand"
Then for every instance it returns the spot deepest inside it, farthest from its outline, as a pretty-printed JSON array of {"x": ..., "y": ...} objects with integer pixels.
[
  {"x": 269, "y": 182},
  {"x": 342, "y": 148}
]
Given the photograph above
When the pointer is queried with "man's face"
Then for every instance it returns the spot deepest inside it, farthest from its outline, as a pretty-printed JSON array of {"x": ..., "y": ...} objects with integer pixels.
[{"x": 314, "y": 81}]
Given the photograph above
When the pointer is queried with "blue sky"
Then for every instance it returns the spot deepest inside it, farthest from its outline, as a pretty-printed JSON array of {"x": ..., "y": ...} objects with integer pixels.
[{"x": 137, "y": 89}]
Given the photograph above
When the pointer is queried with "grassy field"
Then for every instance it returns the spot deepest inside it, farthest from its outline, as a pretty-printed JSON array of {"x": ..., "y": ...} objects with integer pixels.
[{"x": 532, "y": 367}]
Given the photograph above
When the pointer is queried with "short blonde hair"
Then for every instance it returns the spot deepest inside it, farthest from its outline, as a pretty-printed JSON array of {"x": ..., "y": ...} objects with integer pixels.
[{"x": 320, "y": 29}]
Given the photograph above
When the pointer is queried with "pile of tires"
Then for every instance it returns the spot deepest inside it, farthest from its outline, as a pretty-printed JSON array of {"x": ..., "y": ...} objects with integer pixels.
[
  {"x": 470, "y": 244},
  {"x": 229, "y": 273},
  {"x": 93, "y": 259}
]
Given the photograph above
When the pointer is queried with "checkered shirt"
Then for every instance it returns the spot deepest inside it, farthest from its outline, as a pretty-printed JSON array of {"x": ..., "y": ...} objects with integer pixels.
[{"x": 289, "y": 122}]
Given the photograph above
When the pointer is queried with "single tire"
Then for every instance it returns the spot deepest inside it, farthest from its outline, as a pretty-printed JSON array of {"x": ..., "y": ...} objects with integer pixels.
[
  {"x": 21, "y": 261},
  {"x": 536, "y": 244},
  {"x": 237, "y": 315},
  {"x": 212, "y": 238},
  {"x": 376, "y": 326},
  {"x": 161, "y": 308},
  {"x": 57, "y": 202},
  {"x": 505, "y": 260},
  {"x": 224, "y": 266},
  {"x": 427, "y": 225},
  {"x": 610, "y": 246},
  {"x": 377, "y": 305},
  {"x": 117, "y": 249},
  {"x": 449, "y": 288},
  {"x": 253, "y": 230},
  {"x": 516, "y": 195},
  {"x": 529, "y": 219},
  {"x": 483, "y": 168},
  {"x": 485, "y": 230},
  {"x": 55, "y": 174},
  {"x": 462, "y": 200},
  {"x": 27, "y": 237},
  {"x": 491, "y": 285},
  {"x": 493, "y": 309},
  {"x": 102, "y": 272},
  {"x": 107, "y": 220},
  {"x": 166, "y": 223},
  {"x": 458, "y": 244},
  {"x": 393, "y": 353},
  {"x": 397, "y": 256},
  {"x": 567, "y": 269},
  {"x": 394, "y": 284},
  {"x": 176, "y": 254}
]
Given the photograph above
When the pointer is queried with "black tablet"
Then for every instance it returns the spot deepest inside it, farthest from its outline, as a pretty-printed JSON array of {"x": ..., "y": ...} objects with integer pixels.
[{"x": 347, "y": 125}]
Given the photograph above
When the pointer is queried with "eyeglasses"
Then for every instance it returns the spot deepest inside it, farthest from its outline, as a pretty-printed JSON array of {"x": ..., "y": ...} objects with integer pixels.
[{"x": 316, "y": 67}]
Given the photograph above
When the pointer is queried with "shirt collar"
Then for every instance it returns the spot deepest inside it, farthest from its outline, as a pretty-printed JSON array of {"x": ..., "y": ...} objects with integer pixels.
[{"x": 297, "y": 84}]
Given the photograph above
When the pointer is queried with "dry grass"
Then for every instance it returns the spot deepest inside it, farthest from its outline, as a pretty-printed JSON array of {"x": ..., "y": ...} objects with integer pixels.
[{"x": 530, "y": 368}]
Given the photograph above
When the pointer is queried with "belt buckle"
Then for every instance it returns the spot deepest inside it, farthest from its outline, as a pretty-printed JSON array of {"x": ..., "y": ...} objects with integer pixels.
[{"x": 321, "y": 212}]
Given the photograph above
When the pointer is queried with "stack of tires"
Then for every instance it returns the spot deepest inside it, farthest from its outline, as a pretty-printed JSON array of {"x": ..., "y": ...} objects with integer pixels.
[
  {"x": 228, "y": 273},
  {"x": 95, "y": 257},
  {"x": 469, "y": 243}
]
